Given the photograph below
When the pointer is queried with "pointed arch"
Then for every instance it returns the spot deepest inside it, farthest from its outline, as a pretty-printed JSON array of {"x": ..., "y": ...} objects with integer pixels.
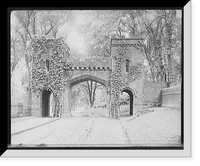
[{"x": 83, "y": 78}]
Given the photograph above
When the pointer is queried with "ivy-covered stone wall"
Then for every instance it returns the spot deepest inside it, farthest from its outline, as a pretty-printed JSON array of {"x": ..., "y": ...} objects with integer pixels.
[
  {"x": 49, "y": 58},
  {"x": 123, "y": 50}
]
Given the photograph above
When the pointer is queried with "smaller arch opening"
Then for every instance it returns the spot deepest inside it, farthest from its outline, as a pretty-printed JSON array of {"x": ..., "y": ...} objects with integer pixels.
[
  {"x": 47, "y": 99},
  {"x": 127, "y": 102}
]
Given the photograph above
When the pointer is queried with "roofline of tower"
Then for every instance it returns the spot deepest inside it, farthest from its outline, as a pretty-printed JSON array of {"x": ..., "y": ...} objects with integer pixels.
[{"x": 127, "y": 39}]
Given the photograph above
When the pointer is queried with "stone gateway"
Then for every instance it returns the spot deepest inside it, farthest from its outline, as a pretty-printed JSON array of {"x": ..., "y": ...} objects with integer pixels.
[{"x": 53, "y": 75}]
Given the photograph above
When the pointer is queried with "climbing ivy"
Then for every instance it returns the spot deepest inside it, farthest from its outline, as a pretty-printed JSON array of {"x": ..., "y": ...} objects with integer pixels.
[
  {"x": 135, "y": 72},
  {"x": 119, "y": 80},
  {"x": 53, "y": 77}
]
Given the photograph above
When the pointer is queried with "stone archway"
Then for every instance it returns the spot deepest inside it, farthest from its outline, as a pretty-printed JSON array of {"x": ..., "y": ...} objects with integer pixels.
[
  {"x": 132, "y": 95},
  {"x": 91, "y": 79},
  {"x": 83, "y": 78},
  {"x": 45, "y": 104},
  {"x": 68, "y": 91}
]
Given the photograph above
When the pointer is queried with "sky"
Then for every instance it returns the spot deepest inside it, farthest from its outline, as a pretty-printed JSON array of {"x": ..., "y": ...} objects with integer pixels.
[{"x": 72, "y": 29}]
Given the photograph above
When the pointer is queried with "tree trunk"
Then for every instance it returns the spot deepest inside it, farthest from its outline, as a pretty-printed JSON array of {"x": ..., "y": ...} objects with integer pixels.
[
  {"x": 151, "y": 65},
  {"x": 27, "y": 109},
  {"x": 169, "y": 56},
  {"x": 91, "y": 92}
]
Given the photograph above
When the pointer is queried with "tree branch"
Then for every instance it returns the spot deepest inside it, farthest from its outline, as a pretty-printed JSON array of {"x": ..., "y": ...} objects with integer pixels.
[
  {"x": 52, "y": 26},
  {"x": 88, "y": 87},
  {"x": 24, "y": 24}
]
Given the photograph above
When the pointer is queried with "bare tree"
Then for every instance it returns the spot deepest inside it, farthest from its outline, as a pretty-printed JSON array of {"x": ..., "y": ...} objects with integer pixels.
[
  {"x": 15, "y": 53},
  {"x": 52, "y": 21},
  {"x": 90, "y": 88},
  {"x": 75, "y": 96}
]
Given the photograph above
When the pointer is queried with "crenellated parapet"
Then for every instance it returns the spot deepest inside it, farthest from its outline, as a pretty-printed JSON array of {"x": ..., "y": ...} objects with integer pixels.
[
  {"x": 77, "y": 68},
  {"x": 123, "y": 43}
]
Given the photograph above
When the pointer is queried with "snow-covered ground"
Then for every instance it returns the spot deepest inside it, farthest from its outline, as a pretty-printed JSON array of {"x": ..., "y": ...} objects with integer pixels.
[
  {"x": 162, "y": 126},
  {"x": 74, "y": 131},
  {"x": 97, "y": 112},
  {"x": 159, "y": 126},
  {"x": 26, "y": 123}
]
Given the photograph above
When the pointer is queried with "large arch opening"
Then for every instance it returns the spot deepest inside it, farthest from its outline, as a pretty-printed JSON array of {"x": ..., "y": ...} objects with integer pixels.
[
  {"x": 47, "y": 103},
  {"x": 88, "y": 96},
  {"x": 127, "y": 102},
  {"x": 84, "y": 78}
]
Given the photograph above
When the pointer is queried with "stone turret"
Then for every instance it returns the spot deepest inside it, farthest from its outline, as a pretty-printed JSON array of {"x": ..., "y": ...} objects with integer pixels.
[{"x": 127, "y": 70}]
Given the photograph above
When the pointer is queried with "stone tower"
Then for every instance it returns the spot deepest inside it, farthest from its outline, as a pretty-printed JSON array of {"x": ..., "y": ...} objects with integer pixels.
[{"x": 127, "y": 73}]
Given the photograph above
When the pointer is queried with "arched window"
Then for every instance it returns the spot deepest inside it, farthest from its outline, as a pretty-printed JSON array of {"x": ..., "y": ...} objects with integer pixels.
[
  {"x": 127, "y": 65},
  {"x": 47, "y": 64}
]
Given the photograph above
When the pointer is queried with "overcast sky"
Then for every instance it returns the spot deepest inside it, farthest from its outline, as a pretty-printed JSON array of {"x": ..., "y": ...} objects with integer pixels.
[{"x": 76, "y": 40}]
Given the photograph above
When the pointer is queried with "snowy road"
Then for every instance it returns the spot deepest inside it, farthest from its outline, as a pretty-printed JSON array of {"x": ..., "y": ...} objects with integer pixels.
[
  {"x": 160, "y": 127},
  {"x": 74, "y": 131}
]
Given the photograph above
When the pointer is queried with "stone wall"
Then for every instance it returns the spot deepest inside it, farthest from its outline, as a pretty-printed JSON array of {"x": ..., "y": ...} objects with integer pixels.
[
  {"x": 26, "y": 104},
  {"x": 36, "y": 105},
  {"x": 16, "y": 110},
  {"x": 171, "y": 97},
  {"x": 96, "y": 72},
  {"x": 152, "y": 93},
  {"x": 129, "y": 49},
  {"x": 66, "y": 102}
]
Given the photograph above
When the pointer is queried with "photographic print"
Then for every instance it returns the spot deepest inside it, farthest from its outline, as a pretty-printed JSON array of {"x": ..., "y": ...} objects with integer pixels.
[{"x": 96, "y": 79}]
